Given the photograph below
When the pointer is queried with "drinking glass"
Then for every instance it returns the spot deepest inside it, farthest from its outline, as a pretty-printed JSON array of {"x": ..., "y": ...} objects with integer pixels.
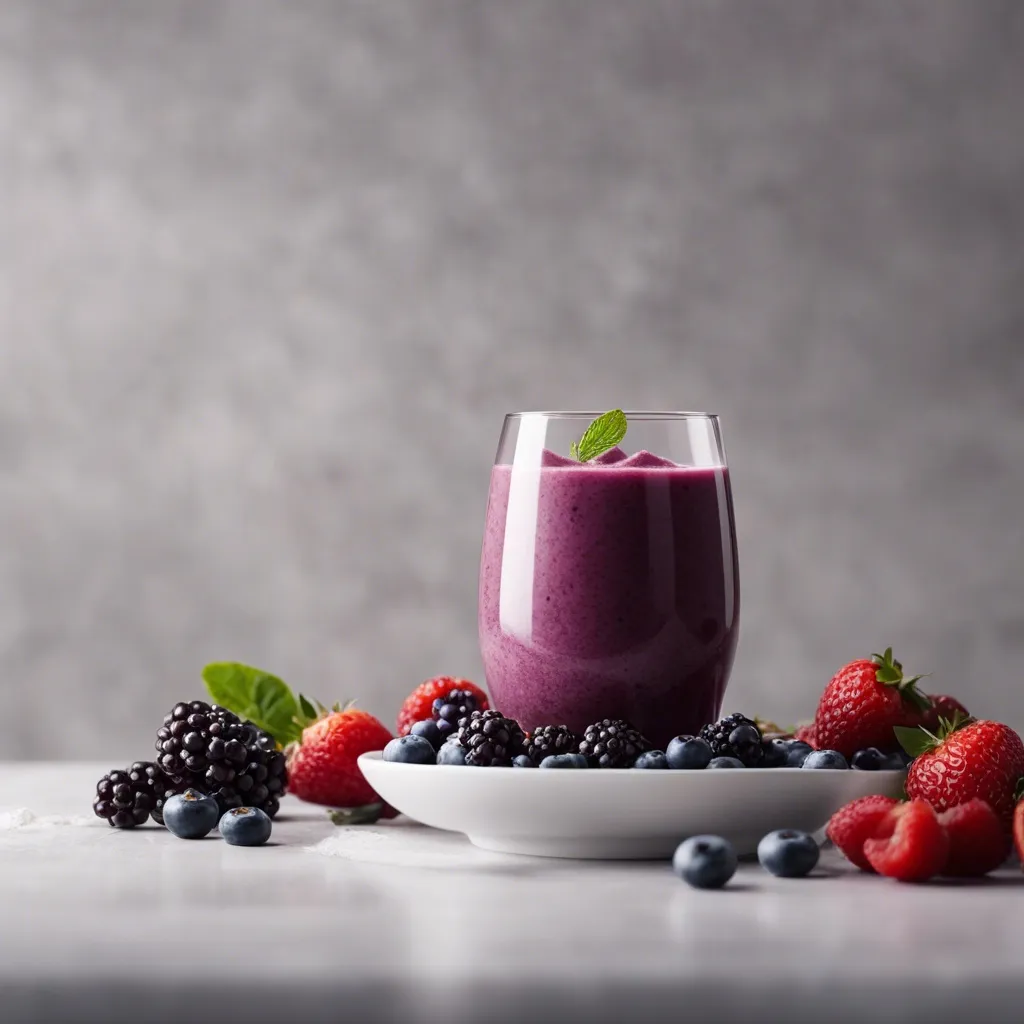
[{"x": 610, "y": 588}]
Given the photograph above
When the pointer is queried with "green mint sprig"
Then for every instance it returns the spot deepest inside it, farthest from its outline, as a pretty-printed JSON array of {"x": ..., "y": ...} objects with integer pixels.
[
  {"x": 602, "y": 435},
  {"x": 261, "y": 698}
]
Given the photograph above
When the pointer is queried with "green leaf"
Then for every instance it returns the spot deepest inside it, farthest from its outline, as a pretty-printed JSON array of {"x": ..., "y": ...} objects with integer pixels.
[
  {"x": 365, "y": 815},
  {"x": 256, "y": 696},
  {"x": 915, "y": 741},
  {"x": 1018, "y": 793},
  {"x": 308, "y": 711},
  {"x": 601, "y": 436}
]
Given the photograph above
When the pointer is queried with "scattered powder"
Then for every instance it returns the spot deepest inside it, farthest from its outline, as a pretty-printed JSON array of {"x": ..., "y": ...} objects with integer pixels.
[
  {"x": 22, "y": 817},
  {"x": 402, "y": 847}
]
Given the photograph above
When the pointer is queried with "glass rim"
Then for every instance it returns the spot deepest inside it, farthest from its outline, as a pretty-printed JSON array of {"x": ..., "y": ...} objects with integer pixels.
[{"x": 630, "y": 414}]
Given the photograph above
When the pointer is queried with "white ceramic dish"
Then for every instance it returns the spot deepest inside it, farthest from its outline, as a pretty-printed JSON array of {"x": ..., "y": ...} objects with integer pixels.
[{"x": 626, "y": 813}]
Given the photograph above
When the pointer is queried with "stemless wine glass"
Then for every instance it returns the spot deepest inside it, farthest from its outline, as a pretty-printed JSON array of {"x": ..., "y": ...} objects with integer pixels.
[{"x": 610, "y": 588}]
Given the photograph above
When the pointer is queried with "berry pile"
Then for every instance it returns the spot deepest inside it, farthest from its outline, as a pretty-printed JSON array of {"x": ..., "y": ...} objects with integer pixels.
[
  {"x": 208, "y": 748},
  {"x": 204, "y": 748}
]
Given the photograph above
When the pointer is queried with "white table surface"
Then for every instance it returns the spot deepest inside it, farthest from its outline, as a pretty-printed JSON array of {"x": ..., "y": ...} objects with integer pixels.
[{"x": 411, "y": 924}]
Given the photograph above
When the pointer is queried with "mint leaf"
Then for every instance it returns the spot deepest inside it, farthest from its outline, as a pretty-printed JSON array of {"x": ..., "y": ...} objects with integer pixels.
[
  {"x": 256, "y": 696},
  {"x": 601, "y": 436}
]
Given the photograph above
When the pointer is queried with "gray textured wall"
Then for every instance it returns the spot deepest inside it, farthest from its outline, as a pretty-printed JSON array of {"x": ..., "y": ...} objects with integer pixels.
[{"x": 271, "y": 273}]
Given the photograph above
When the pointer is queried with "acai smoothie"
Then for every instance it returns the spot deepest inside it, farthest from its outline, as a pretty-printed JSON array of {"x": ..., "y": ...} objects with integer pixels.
[{"x": 609, "y": 589}]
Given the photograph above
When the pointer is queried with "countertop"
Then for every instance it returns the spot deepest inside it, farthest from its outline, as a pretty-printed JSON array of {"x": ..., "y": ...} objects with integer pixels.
[{"x": 409, "y": 924}]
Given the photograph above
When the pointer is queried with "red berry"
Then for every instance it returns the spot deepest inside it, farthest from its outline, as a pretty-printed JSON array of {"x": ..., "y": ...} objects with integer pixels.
[
  {"x": 1018, "y": 831},
  {"x": 978, "y": 843},
  {"x": 862, "y": 703},
  {"x": 322, "y": 768},
  {"x": 910, "y": 843},
  {"x": 942, "y": 707},
  {"x": 977, "y": 759},
  {"x": 420, "y": 703},
  {"x": 857, "y": 822}
]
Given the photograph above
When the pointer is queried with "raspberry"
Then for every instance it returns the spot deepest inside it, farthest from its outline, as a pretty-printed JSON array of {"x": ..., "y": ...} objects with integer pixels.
[
  {"x": 857, "y": 822},
  {"x": 910, "y": 843},
  {"x": 978, "y": 842}
]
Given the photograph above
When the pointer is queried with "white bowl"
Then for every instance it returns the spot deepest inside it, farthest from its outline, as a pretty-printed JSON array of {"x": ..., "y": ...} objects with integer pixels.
[{"x": 617, "y": 813}]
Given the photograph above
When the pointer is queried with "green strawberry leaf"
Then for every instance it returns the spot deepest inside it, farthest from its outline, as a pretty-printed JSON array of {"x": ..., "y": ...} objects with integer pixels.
[
  {"x": 256, "y": 696},
  {"x": 890, "y": 673},
  {"x": 1018, "y": 793},
  {"x": 365, "y": 815},
  {"x": 915, "y": 741},
  {"x": 308, "y": 711},
  {"x": 601, "y": 436}
]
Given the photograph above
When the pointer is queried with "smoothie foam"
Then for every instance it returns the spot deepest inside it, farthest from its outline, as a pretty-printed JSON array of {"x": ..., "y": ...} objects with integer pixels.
[{"x": 609, "y": 589}]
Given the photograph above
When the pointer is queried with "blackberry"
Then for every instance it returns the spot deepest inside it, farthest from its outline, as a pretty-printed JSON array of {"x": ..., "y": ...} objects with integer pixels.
[
  {"x": 490, "y": 739},
  {"x": 547, "y": 740},
  {"x": 612, "y": 743},
  {"x": 126, "y": 799},
  {"x": 163, "y": 786},
  {"x": 450, "y": 709},
  {"x": 735, "y": 736},
  {"x": 207, "y": 747}
]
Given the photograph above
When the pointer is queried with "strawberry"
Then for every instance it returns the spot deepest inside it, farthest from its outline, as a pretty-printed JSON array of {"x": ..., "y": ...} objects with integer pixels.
[
  {"x": 1018, "y": 826},
  {"x": 910, "y": 843},
  {"x": 942, "y": 707},
  {"x": 858, "y": 821},
  {"x": 963, "y": 760},
  {"x": 862, "y": 703},
  {"x": 978, "y": 843},
  {"x": 322, "y": 765},
  {"x": 420, "y": 703},
  {"x": 321, "y": 745}
]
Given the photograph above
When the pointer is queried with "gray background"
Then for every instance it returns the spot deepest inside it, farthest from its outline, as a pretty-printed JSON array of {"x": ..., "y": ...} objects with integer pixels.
[{"x": 271, "y": 273}]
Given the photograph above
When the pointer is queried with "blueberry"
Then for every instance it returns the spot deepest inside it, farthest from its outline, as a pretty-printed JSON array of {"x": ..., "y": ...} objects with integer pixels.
[
  {"x": 245, "y": 826},
  {"x": 429, "y": 731},
  {"x": 564, "y": 761},
  {"x": 410, "y": 750},
  {"x": 726, "y": 762},
  {"x": 445, "y": 730},
  {"x": 522, "y": 761},
  {"x": 191, "y": 815},
  {"x": 798, "y": 751},
  {"x": 776, "y": 753},
  {"x": 870, "y": 759},
  {"x": 895, "y": 762},
  {"x": 825, "y": 759},
  {"x": 451, "y": 753},
  {"x": 651, "y": 759},
  {"x": 788, "y": 853},
  {"x": 745, "y": 739},
  {"x": 705, "y": 862},
  {"x": 688, "y": 752}
]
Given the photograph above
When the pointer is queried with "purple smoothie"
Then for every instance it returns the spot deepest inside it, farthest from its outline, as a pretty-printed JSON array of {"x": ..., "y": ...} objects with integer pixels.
[{"x": 609, "y": 589}]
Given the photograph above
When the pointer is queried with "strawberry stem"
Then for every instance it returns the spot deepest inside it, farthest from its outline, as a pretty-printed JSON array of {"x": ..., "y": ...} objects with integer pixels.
[{"x": 890, "y": 673}]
